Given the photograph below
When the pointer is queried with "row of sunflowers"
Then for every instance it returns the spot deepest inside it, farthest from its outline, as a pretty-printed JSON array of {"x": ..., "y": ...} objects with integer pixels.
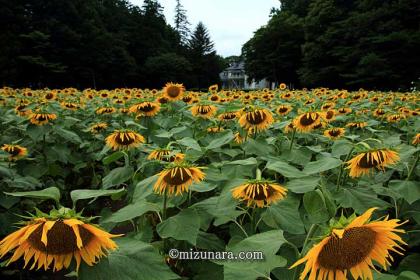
[{"x": 102, "y": 184}]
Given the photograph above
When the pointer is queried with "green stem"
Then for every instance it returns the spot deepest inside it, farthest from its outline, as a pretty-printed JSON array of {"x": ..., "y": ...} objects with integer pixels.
[
  {"x": 342, "y": 168},
  {"x": 311, "y": 231},
  {"x": 258, "y": 174},
  {"x": 413, "y": 167},
  {"x": 165, "y": 201},
  {"x": 293, "y": 139}
]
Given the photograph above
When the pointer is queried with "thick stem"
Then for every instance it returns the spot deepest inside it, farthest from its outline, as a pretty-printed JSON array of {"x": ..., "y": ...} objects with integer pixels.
[
  {"x": 310, "y": 234},
  {"x": 413, "y": 167},
  {"x": 342, "y": 169},
  {"x": 293, "y": 139}
]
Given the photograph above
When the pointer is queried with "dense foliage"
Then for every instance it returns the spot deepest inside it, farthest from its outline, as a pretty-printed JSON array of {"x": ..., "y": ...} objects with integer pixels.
[
  {"x": 99, "y": 44},
  {"x": 62, "y": 147},
  {"x": 350, "y": 44}
]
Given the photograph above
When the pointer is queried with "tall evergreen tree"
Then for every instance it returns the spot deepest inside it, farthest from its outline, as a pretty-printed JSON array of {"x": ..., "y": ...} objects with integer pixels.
[
  {"x": 181, "y": 23},
  {"x": 200, "y": 43}
]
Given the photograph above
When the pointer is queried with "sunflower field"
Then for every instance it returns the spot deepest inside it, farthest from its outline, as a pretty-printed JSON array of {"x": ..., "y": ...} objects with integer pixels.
[{"x": 105, "y": 184}]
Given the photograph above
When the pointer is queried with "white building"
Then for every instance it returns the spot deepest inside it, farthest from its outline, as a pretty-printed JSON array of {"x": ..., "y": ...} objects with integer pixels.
[{"x": 234, "y": 77}]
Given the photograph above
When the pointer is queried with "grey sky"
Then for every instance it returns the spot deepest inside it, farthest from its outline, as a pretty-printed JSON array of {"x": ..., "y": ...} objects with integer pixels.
[{"x": 230, "y": 22}]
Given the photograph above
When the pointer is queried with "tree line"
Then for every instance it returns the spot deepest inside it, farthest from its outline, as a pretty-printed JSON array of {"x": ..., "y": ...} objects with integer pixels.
[
  {"x": 102, "y": 44},
  {"x": 372, "y": 44}
]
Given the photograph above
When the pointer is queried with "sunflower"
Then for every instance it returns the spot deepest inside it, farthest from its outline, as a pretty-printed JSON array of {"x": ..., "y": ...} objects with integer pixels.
[
  {"x": 344, "y": 111},
  {"x": 203, "y": 111},
  {"x": 215, "y": 129},
  {"x": 260, "y": 193},
  {"x": 289, "y": 128},
  {"x": 366, "y": 162},
  {"x": 159, "y": 154},
  {"x": 395, "y": 117},
  {"x": 15, "y": 151},
  {"x": 357, "y": 124},
  {"x": 70, "y": 106},
  {"x": 173, "y": 91},
  {"x": 188, "y": 99},
  {"x": 177, "y": 177},
  {"x": 352, "y": 249},
  {"x": 416, "y": 139},
  {"x": 379, "y": 112},
  {"x": 259, "y": 119},
  {"x": 228, "y": 116},
  {"x": 105, "y": 110},
  {"x": 327, "y": 106},
  {"x": 54, "y": 241},
  {"x": 22, "y": 110},
  {"x": 328, "y": 116},
  {"x": 41, "y": 118},
  {"x": 214, "y": 98},
  {"x": 124, "y": 140},
  {"x": 162, "y": 100},
  {"x": 50, "y": 95},
  {"x": 334, "y": 133},
  {"x": 214, "y": 88},
  {"x": 282, "y": 86},
  {"x": 283, "y": 110},
  {"x": 307, "y": 121},
  {"x": 98, "y": 127},
  {"x": 148, "y": 109}
]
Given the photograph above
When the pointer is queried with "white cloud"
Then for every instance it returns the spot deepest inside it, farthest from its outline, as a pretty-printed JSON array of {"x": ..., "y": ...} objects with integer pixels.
[{"x": 230, "y": 22}]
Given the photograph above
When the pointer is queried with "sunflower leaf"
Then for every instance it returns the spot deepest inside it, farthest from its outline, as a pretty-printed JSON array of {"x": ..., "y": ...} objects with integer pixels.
[{"x": 48, "y": 193}]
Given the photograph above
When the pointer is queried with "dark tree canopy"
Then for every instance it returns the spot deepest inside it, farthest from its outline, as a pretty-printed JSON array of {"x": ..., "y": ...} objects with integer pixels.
[
  {"x": 91, "y": 43},
  {"x": 372, "y": 44}
]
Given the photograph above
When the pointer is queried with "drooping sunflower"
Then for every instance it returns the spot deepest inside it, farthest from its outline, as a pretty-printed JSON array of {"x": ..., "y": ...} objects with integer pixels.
[
  {"x": 162, "y": 100},
  {"x": 124, "y": 140},
  {"x": 105, "y": 110},
  {"x": 228, "y": 116},
  {"x": 214, "y": 88},
  {"x": 307, "y": 121},
  {"x": 203, "y": 111},
  {"x": 357, "y": 124},
  {"x": 260, "y": 193},
  {"x": 283, "y": 110},
  {"x": 215, "y": 129},
  {"x": 351, "y": 249},
  {"x": 366, "y": 162},
  {"x": 258, "y": 119},
  {"x": 379, "y": 112},
  {"x": 159, "y": 154},
  {"x": 15, "y": 151},
  {"x": 344, "y": 111},
  {"x": 52, "y": 241},
  {"x": 177, "y": 177},
  {"x": 22, "y": 110},
  {"x": 173, "y": 91},
  {"x": 41, "y": 118},
  {"x": 188, "y": 99},
  {"x": 416, "y": 139},
  {"x": 334, "y": 133},
  {"x": 395, "y": 118},
  {"x": 50, "y": 95},
  {"x": 289, "y": 128},
  {"x": 148, "y": 109},
  {"x": 98, "y": 127}
]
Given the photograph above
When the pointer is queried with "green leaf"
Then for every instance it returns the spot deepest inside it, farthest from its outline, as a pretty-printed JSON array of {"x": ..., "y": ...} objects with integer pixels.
[
  {"x": 222, "y": 139},
  {"x": 266, "y": 244},
  {"x": 248, "y": 161},
  {"x": 117, "y": 176},
  {"x": 360, "y": 199},
  {"x": 113, "y": 157},
  {"x": 48, "y": 193},
  {"x": 321, "y": 165},
  {"x": 285, "y": 215},
  {"x": 190, "y": 143},
  {"x": 303, "y": 185},
  {"x": 88, "y": 194},
  {"x": 68, "y": 135},
  {"x": 315, "y": 206},
  {"x": 284, "y": 169},
  {"x": 409, "y": 190},
  {"x": 183, "y": 226},
  {"x": 144, "y": 188},
  {"x": 132, "y": 260},
  {"x": 131, "y": 211}
]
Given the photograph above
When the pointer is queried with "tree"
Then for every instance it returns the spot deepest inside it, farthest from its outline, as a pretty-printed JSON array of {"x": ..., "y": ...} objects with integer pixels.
[
  {"x": 200, "y": 43},
  {"x": 181, "y": 23}
]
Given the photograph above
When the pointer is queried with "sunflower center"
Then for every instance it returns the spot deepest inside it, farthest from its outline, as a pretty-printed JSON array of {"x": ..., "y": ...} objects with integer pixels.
[
  {"x": 256, "y": 118},
  {"x": 42, "y": 118},
  {"x": 329, "y": 115},
  {"x": 14, "y": 151},
  {"x": 334, "y": 132},
  {"x": 173, "y": 91},
  {"x": 187, "y": 99},
  {"x": 348, "y": 251},
  {"x": 214, "y": 98},
  {"x": 369, "y": 162},
  {"x": 259, "y": 191},
  {"x": 308, "y": 119},
  {"x": 177, "y": 178},
  {"x": 124, "y": 139},
  {"x": 283, "y": 109},
  {"x": 203, "y": 110},
  {"x": 61, "y": 239},
  {"x": 49, "y": 96},
  {"x": 147, "y": 108}
]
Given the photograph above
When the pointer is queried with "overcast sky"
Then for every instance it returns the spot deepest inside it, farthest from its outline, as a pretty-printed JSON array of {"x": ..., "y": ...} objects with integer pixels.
[{"x": 230, "y": 22}]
